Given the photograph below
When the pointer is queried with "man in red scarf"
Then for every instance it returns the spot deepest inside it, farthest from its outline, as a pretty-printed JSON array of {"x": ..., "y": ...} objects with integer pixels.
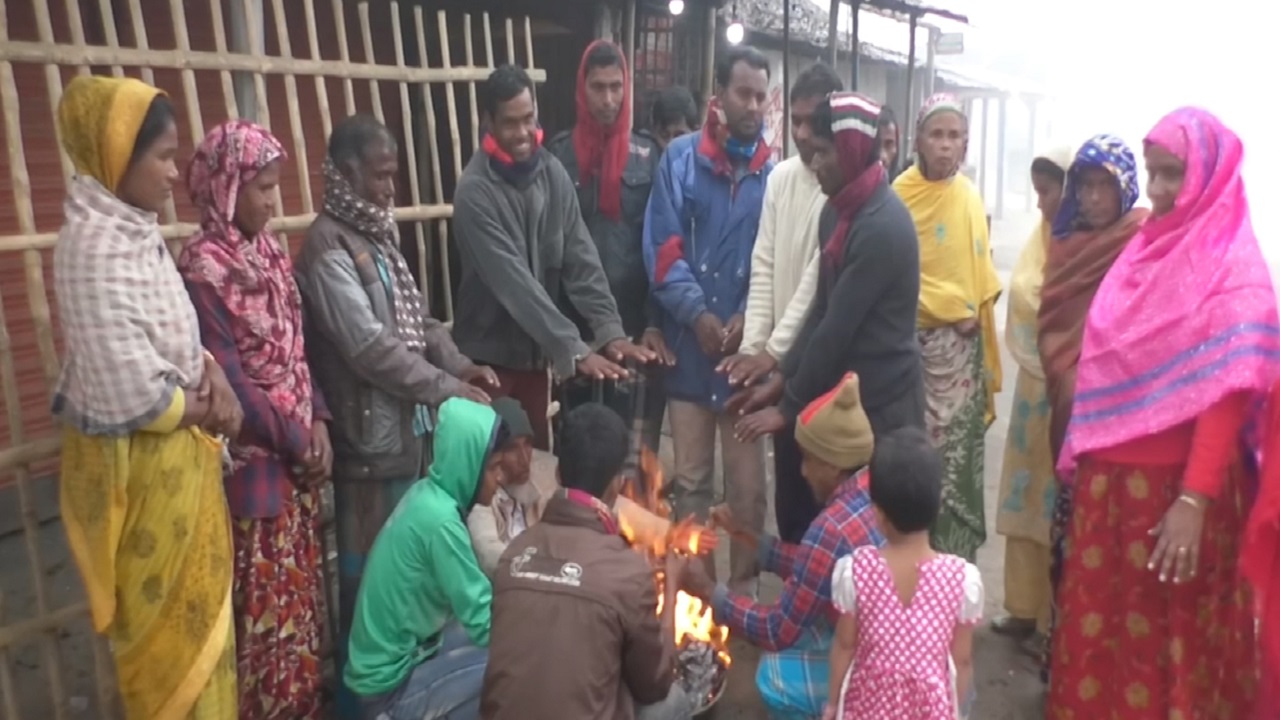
[{"x": 612, "y": 168}]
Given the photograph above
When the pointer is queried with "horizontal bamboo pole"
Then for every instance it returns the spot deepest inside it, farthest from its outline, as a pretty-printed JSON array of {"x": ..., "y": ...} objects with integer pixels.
[
  {"x": 29, "y": 453},
  {"x": 24, "y": 630},
  {"x": 177, "y": 231},
  {"x": 25, "y": 51}
]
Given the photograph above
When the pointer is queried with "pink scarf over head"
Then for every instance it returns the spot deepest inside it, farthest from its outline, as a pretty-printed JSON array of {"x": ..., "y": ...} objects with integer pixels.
[{"x": 1187, "y": 315}]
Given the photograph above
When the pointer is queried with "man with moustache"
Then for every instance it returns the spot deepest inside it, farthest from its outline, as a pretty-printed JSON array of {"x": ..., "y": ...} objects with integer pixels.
[
  {"x": 612, "y": 168},
  {"x": 784, "y": 276},
  {"x": 699, "y": 233},
  {"x": 524, "y": 245}
]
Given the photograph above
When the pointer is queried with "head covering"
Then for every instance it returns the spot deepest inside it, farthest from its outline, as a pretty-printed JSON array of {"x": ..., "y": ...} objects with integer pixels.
[
  {"x": 835, "y": 428},
  {"x": 378, "y": 225},
  {"x": 513, "y": 414},
  {"x": 99, "y": 119},
  {"x": 252, "y": 277},
  {"x": 131, "y": 331},
  {"x": 1187, "y": 315},
  {"x": 1101, "y": 151},
  {"x": 603, "y": 150},
  {"x": 937, "y": 103},
  {"x": 1027, "y": 280},
  {"x": 1077, "y": 261},
  {"x": 854, "y": 121}
]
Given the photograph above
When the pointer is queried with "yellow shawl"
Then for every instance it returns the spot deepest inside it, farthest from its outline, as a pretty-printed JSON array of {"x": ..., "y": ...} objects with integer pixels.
[
  {"x": 99, "y": 119},
  {"x": 958, "y": 278}
]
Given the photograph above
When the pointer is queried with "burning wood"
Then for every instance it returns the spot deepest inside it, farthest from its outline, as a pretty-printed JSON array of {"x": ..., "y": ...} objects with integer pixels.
[{"x": 702, "y": 655}]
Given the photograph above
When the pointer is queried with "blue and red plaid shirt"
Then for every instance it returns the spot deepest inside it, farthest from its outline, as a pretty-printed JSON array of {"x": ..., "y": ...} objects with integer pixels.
[
  {"x": 259, "y": 489},
  {"x": 846, "y": 523}
]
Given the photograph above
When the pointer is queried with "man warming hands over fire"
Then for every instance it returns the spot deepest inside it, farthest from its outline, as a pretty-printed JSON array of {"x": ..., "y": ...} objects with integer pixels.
[{"x": 835, "y": 441}]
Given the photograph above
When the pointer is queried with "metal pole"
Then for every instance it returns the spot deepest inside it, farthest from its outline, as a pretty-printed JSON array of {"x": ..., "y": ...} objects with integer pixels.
[
  {"x": 931, "y": 60},
  {"x": 709, "y": 72},
  {"x": 629, "y": 48},
  {"x": 1000, "y": 163},
  {"x": 909, "y": 120},
  {"x": 982, "y": 163},
  {"x": 833, "y": 33},
  {"x": 855, "y": 48},
  {"x": 786, "y": 78},
  {"x": 1033, "y": 105}
]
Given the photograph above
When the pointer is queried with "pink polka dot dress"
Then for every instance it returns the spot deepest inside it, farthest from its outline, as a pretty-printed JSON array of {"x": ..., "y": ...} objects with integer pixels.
[{"x": 902, "y": 668}]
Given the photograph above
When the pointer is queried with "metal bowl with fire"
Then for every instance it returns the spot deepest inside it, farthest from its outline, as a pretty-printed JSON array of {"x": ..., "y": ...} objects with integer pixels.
[{"x": 702, "y": 646}]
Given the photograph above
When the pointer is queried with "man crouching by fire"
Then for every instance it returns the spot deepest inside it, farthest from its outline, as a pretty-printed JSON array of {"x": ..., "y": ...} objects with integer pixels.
[
  {"x": 572, "y": 587},
  {"x": 796, "y": 631}
]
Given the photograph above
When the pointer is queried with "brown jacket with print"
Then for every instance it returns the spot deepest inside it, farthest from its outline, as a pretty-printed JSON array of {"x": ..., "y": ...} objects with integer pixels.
[{"x": 574, "y": 630}]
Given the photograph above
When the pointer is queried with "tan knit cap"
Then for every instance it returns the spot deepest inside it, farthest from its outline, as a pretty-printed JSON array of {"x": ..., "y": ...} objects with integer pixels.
[{"x": 835, "y": 428}]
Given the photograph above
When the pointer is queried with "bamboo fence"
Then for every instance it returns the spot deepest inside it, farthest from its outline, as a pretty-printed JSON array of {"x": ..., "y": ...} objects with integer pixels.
[{"x": 51, "y": 665}]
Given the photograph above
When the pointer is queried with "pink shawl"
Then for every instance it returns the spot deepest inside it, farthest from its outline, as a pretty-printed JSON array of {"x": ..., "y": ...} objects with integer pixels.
[{"x": 1187, "y": 314}]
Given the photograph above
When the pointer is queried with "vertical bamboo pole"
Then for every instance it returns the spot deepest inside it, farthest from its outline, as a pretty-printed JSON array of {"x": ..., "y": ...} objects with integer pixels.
[
  {"x": 25, "y": 211},
  {"x": 220, "y": 44},
  {"x": 253, "y": 26},
  {"x": 195, "y": 118},
  {"x": 451, "y": 99},
  {"x": 8, "y": 687},
  {"x": 344, "y": 54},
  {"x": 437, "y": 181},
  {"x": 139, "y": 25},
  {"x": 52, "y": 79},
  {"x": 511, "y": 41},
  {"x": 295, "y": 113},
  {"x": 108, "y": 13},
  {"x": 471, "y": 86},
  {"x": 366, "y": 37},
  {"x": 76, "y": 23},
  {"x": 322, "y": 89},
  {"x": 411, "y": 153},
  {"x": 488, "y": 42},
  {"x": 528, "y": 44}
]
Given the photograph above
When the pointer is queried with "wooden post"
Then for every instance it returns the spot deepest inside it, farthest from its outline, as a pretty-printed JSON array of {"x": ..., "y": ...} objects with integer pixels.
[{"x": 833, "y": 33}]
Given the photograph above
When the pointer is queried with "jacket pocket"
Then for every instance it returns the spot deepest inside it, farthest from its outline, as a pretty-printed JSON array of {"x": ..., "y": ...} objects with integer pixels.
[
  {"x": 381, "y": 424},
  {"x": 635, "y": 195}
]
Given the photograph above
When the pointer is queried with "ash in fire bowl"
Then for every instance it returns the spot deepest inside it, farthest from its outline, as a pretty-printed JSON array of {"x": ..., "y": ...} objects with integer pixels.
[{"x": 701, "y": 671}]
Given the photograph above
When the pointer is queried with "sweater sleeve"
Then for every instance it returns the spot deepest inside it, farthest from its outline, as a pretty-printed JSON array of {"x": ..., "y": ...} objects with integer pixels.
[
  {"x": 859, "y": 285},
  {"x": 1213, "y": 446},
  {"x": 785, "y": 332},
  {"x": 465, "y": 584},
  {"x": 758, "y": 319},
  {"x": 672, "y": 280}
]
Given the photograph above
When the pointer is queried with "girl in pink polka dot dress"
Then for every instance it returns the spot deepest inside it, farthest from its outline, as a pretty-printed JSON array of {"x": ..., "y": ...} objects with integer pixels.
[{"x": 904, "y": 642}]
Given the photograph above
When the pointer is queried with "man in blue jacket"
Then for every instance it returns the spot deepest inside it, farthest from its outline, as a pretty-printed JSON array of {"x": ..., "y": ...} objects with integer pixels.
[{"x": 700, "y": 229}]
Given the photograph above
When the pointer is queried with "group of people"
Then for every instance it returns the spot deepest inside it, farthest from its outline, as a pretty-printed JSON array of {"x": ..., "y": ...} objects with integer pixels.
[{"x": 829, "y": 302}]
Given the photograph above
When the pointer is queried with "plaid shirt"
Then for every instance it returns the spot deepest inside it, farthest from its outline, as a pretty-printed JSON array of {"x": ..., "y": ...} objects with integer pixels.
[
  {"x": 846, "y": 523},
  {"x": 260, "y": 487}
]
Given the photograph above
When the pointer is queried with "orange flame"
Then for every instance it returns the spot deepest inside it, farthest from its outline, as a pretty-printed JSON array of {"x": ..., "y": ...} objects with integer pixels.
[{"x": 644, "y": 523}]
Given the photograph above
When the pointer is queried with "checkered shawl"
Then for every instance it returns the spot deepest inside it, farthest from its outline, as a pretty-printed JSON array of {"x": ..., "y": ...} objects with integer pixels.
[{"x": 131, "y": 332}]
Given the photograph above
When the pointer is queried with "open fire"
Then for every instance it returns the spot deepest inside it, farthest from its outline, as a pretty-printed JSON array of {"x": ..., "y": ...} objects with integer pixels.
[{"x": 703, "y": 659}]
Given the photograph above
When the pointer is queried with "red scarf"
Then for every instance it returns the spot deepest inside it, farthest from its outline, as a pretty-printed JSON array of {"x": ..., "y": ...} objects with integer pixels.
[
  {"x": 502, "y": 163},
  {"x": 595, "y": 504},
  {"x": 602, "y": 149},
  {"x": 854, "y": 119},
  {"x": 1260, "y": 556}
]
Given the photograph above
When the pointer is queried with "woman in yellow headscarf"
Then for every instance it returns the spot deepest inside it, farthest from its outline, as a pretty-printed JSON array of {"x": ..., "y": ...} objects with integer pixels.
[
  {"x": 957, "y": 332},
  {"x": 1027, "y": 483},
  {"x": 142, "y": 496}
]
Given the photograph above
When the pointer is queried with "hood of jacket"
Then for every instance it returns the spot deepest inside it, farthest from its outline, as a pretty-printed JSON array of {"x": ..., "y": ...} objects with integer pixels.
[{"x": 463, "y": 440}]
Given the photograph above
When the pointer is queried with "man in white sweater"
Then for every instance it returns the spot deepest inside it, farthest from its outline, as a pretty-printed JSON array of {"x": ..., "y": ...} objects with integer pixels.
[{"x": 784, "y": 276}]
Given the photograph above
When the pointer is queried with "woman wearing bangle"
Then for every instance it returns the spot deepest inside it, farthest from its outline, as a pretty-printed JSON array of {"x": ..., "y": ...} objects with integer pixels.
[
  {"x": 141, "y": 479},
  {"x": 1182, "y": 337}
]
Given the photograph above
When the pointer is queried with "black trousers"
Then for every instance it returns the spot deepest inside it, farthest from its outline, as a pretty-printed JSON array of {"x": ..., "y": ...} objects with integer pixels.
[{"x": 794, "y": 506}]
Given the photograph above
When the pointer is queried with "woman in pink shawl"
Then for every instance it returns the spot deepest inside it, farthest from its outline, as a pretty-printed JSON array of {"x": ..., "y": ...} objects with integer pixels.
[
  {"x": 1181, "y": 342},
  {"x": 241, "y": 282}
]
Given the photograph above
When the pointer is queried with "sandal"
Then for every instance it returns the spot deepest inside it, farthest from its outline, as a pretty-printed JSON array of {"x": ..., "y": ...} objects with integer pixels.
[{"x": 1010, "y": 626}]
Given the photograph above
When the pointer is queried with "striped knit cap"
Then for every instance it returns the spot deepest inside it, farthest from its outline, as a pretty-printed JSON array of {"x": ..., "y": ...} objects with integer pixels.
[
  {"x": 835, "y": 429},
  {"x": 941, "y": 102}
]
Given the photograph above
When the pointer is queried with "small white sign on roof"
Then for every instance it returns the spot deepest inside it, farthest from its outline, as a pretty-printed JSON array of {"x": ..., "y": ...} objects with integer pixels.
[{"x": 949, "y": 43}]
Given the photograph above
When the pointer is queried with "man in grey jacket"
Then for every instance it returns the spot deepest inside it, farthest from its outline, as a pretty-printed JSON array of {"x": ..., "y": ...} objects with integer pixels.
[
  {"x": 524, "y": 244},
  {"x": 378, "y": 355}
]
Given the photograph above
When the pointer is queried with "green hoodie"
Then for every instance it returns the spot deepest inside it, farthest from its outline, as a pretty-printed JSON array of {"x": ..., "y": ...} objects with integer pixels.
[{"x": 422, "y": 572}]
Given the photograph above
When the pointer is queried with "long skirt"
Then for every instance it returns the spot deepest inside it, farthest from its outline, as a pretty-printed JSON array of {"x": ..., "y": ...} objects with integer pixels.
[
  {"x": 146, "y": 520},
  {"x": 1028, "y": 491},
  {"x": 1129, "y": 646},
  {"x": 279, "y": 602},
  {"x": 955, "y": 418}
]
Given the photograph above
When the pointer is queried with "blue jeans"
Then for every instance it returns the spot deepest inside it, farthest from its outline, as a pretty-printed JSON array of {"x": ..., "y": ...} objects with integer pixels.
[{"x": 446, "y": 687}]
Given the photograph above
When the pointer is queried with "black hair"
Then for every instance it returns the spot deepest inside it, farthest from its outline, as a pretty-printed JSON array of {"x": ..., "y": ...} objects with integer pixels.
[
  {"x": 354, "y": 136},
  {"x": 821, "y": 121},
  {"x": 159, "y": 118},
  {"x": 594, "y": 444},
  {"x": 906, "y": 480},
  {"x": 816, "y": 81},
  {"x": 672, "y": 104},
  {"x": 603, "y": 55},
  {"x": 503, "y": 84},
  {"x": 887, "y": 117},
  {"x": 1048, "y": 168},
  {"x": 739, "y": 54}
]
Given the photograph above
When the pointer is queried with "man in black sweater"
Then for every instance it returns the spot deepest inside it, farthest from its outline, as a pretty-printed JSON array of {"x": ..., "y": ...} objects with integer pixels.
[{"x": 863, "y": 316}]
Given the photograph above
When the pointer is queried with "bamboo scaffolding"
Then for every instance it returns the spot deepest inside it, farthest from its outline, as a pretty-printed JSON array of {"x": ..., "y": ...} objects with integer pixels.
[{"x": 23, "y": 453}]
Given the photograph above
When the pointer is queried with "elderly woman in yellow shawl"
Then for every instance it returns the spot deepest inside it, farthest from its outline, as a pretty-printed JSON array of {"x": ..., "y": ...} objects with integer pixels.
[
  {"x": 141, "y": 404},
  {"x": 1027, "y": 483},
  {"x": 956, "y": 321}
]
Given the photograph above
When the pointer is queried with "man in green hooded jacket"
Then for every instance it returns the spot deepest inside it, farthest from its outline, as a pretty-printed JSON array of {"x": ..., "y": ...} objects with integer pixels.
[{"x": 420, "y": 636}]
